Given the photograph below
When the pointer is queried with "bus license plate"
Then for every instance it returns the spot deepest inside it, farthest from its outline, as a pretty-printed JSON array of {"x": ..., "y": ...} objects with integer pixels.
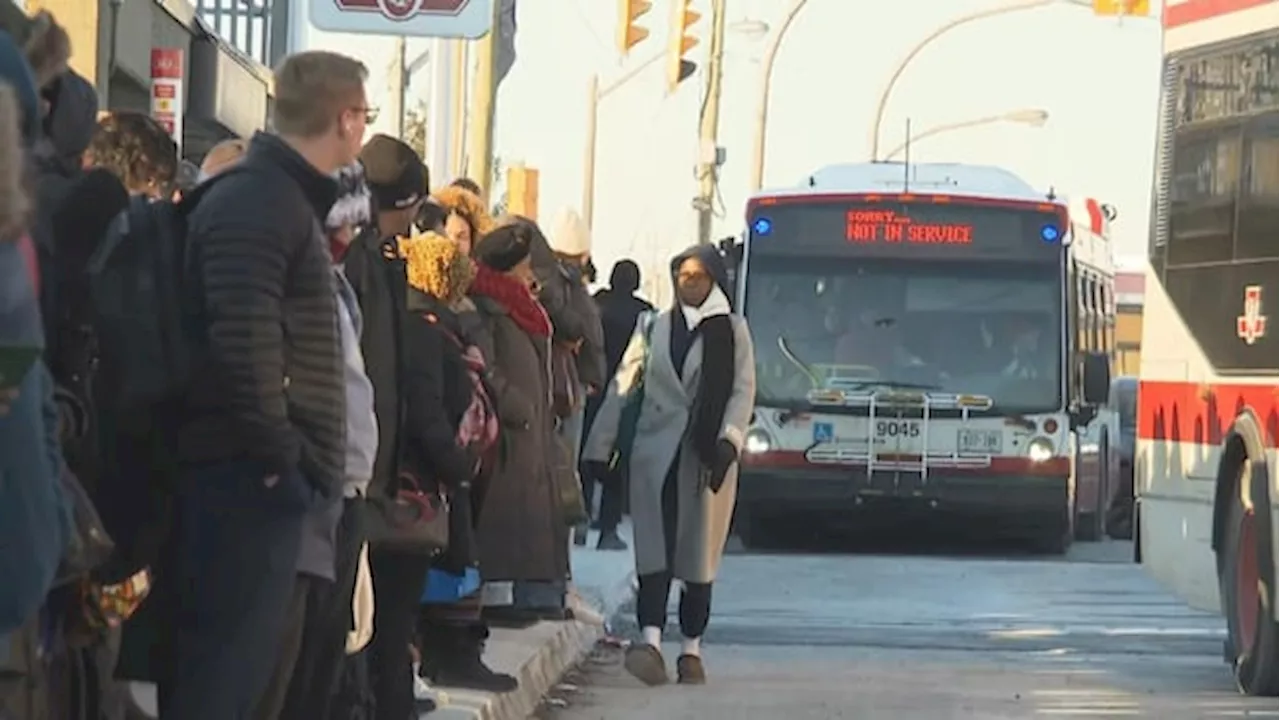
[
  {"x": 897, "y": 429},
  {"x": 978, "y": 441}
]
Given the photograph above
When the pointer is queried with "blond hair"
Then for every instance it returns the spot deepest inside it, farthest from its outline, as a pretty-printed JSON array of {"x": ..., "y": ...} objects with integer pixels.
[
  {"x": 466, "y": 205},
  {"x": 436, "y": 266},
  {"x": 15, "y": 203},
  {"x": 313, "y": 88}
]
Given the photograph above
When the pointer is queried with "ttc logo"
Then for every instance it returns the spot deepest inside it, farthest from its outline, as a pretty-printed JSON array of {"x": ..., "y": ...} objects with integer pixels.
[
  {"x": 404, "y": 9},
  {"x": 1252, "y": 325}
]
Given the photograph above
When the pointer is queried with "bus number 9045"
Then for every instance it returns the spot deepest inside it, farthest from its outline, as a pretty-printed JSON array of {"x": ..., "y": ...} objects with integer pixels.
[{"x": 898, "y": 428}]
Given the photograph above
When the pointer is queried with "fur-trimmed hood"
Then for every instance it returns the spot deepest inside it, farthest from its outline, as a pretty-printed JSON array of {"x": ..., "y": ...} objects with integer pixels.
[
  {"x": 44, "y": 42},
  {"x": 467, "y": 204}
]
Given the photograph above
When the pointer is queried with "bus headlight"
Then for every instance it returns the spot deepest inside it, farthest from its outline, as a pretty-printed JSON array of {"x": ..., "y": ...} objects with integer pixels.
[
  {"x": 1039, "y": 449},
  {"x": 757, "y": 441}
]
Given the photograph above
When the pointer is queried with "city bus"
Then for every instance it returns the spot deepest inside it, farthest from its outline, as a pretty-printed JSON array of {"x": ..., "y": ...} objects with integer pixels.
[
  {"x": 926, "y": 342},
  {"x": 1205, "y": 468}
]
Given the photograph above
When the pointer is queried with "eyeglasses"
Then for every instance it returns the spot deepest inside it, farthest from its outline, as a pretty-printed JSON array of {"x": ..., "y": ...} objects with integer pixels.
[
  {"x": 692, "y": 276},
  {"x": 370, "y": 113}
]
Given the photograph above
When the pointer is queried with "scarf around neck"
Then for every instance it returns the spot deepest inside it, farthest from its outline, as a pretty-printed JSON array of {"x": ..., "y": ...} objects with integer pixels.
[
  {"x": 711, "y": 319},
  {"x": 519, "y": 301}
]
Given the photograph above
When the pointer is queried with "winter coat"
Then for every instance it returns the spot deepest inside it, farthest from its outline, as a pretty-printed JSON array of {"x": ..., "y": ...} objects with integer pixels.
[
  {"x": 437, "y": 393},
  {"x": 522, "y": 535},
  {"x": 34, "y": 518},
  {"x": 661, "y": 438},
  {"x": 273, "y": 377},
  {"x": 618, "y": 313},
  {"x": 377, "y": 274}
]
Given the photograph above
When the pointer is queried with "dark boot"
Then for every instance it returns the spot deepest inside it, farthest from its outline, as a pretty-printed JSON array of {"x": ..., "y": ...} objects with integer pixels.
[
  {"x": 610, "y": 540},
  {"x": 463, "y": 666}
]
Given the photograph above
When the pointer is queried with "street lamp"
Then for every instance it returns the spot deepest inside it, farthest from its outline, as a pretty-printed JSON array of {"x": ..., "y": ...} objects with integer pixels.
[
  {"x": 943, "y": 30},
  {"x": 762, "y": 103},
  {"x": 1029, "y": 117},
  {"x": 596, "y": 93}
]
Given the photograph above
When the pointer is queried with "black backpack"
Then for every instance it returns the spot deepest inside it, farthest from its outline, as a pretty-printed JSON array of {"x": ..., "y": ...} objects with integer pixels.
[{"x": 143, "y": 305}]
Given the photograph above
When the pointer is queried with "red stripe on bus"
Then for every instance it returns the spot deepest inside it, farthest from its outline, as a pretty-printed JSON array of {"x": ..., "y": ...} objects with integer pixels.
[
  {"x": 1202, "y": 413},
  {"x": 795, "y": 459},
  {"x": 1196, "y": 10}
]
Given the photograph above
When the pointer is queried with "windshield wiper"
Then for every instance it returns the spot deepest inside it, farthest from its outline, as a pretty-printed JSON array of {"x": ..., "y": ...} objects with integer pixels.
[
  {"x": 891, "y": 384},
  {"x": 795, "y": 360}
]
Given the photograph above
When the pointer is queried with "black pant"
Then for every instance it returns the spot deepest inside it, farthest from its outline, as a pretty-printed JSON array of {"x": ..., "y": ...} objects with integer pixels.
[
  {"x": 235, "y": 547},
  {"x": 655, "y": 588},
  {"x": 308, "y": 592},
  {"x": 611, "y": 487},
  {"x": 398, "y": 580},
  {"x": 329, "y": 619},
  {"x": 610, "y": 497}
]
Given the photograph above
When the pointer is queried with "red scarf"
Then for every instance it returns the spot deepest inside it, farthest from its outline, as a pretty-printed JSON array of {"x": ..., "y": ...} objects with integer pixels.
[{"x": 524, "y": 308}]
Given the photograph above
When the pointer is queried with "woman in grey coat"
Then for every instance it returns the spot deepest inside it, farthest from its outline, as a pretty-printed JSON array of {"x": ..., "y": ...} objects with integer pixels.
[{"x": 697, "y": 369}]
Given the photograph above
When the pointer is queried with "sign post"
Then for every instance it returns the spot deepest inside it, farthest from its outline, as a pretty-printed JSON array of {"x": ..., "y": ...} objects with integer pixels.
[
  {"x": 166, "y": 91},
  {"x": 414, "y": 18}
]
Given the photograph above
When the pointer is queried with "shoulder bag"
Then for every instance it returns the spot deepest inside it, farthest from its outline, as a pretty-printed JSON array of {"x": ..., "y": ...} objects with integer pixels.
[
  {"x": 630, "y": 415},
  {"x": 410, "y": 518}
]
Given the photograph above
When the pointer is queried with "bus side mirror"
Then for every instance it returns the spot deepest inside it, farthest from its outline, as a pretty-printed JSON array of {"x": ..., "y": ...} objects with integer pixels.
[{"x": 1096, "y": 377}]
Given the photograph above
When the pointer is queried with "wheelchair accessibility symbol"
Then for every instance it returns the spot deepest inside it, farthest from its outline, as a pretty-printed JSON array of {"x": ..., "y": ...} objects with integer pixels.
[{"x": 824, "y": 432}]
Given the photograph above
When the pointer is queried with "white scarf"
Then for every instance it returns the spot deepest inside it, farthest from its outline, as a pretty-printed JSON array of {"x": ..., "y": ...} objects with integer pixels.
[{"x": 717, "y": 303}]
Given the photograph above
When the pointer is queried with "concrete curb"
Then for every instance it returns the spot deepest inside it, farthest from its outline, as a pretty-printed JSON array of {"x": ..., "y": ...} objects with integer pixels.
[{"x": 538, "y": 656}]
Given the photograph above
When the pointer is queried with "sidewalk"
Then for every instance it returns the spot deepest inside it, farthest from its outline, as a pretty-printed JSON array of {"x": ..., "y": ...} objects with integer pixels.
[{"x": 538, "y": 656}]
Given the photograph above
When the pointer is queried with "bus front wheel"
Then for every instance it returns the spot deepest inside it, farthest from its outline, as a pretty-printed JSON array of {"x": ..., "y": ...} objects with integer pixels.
[{"x": 1247, "y": 584}]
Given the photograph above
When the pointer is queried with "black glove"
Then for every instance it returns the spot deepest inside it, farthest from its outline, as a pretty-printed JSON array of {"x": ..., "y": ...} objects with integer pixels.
[
  {"x": 726, "y": 455},
  {"x": 596, "y": 470}
]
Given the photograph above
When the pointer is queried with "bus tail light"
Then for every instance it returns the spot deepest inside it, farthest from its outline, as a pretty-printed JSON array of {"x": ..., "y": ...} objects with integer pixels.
[{"x": 1050, "y": 426}]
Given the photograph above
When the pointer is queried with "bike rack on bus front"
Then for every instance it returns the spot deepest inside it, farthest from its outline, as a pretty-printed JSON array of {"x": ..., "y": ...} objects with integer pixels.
[{"x": 836, "y": 453}]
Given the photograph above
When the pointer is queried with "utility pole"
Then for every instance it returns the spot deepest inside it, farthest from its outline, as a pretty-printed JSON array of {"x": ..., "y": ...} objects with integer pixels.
[
  {"x": 596, "y": 93},
  {"x": 708, "y": 168},
  {"x": 397, "y": 80},
  {"x": 480, "y": 124}
]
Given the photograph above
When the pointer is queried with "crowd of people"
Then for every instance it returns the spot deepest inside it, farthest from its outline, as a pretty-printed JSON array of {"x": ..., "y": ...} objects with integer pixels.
[{"x": 287, "y": 433}]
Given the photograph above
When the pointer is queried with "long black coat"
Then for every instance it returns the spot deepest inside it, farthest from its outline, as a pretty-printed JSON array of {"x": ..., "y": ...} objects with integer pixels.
[
  {"x": 522, "y": 534},
  {"x": 377, "y": 274},
  {"x": 437, "y": 393}
]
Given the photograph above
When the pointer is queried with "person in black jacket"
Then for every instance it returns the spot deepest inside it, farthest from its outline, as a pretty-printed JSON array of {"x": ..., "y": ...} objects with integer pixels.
[
  {"x": 619, "y": 308},
  {"x": 397, "y": 181},
  {"x": 452, "y": 428},
  {"x": 262, "y": 437}
]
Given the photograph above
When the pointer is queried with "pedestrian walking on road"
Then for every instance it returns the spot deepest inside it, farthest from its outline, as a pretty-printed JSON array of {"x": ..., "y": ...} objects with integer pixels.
[
  {"x": 620, "y": 307},
  {"x": 263, "y": 437},
  {"x": 688, "y": 376}
]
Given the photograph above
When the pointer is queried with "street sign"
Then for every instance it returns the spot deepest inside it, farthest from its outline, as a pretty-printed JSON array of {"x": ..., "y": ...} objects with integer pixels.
[
  {"x": 414, "y": 18},
  {"x": 1137, "y": 8}
]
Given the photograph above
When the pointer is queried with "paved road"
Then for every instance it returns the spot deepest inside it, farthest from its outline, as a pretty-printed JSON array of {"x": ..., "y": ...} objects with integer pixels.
[{"x": 904, "y": 636}]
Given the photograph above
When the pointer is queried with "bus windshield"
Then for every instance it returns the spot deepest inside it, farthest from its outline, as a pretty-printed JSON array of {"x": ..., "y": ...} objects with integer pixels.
[{"x": 992, "y": 329}]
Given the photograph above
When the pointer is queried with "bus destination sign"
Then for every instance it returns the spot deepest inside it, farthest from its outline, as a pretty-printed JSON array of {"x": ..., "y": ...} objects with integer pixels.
[
  {"x": 906, "y": 229},
  {"x": 889, "y": 226}
]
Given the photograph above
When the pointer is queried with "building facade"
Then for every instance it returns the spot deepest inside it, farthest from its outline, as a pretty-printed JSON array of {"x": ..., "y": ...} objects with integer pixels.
[{"x": 225, "y": 92}]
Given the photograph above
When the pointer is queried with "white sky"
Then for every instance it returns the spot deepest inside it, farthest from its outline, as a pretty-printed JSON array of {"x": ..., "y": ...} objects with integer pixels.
[{"x": 1097, "y": 77}]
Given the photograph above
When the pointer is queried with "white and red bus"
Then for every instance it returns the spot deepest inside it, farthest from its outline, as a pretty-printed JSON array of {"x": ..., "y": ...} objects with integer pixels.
[
  {"x": 922, "y": 344},
  {"x": 1205, "y": 481}
]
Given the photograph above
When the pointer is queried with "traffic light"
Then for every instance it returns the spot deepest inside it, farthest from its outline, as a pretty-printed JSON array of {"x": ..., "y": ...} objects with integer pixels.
[
  {"x": 680, "y": 43},
  {"x": 630, "y": 34},
  {"x": 1139, "y": 8}
]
